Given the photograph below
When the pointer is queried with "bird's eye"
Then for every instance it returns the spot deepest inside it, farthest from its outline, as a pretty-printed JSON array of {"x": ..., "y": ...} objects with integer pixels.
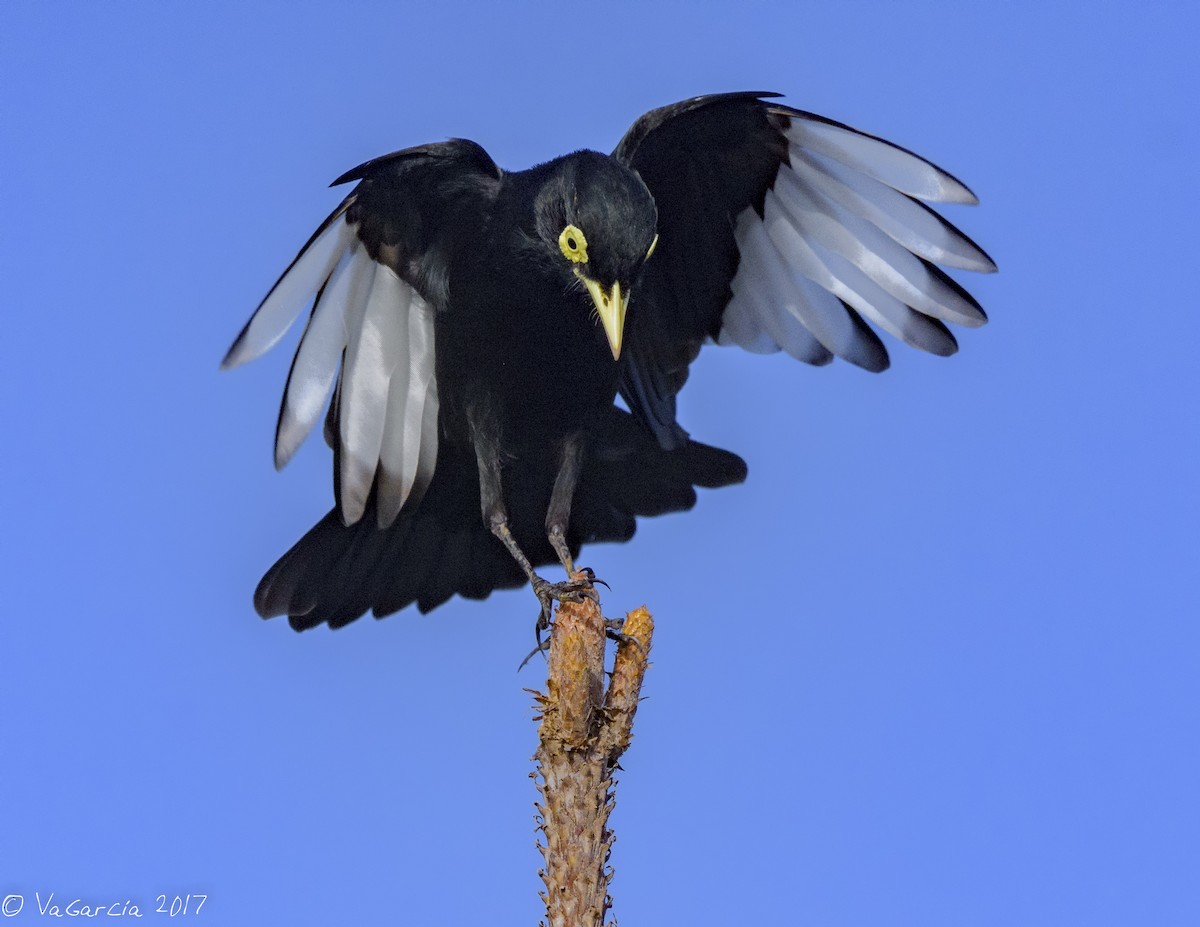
[
  {"x": 653, "y": 245},
  {"x": 573, "y": 244}
]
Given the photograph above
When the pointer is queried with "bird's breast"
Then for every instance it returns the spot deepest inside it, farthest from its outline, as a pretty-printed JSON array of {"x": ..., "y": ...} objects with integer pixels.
[{"x": 531, "y": 354}]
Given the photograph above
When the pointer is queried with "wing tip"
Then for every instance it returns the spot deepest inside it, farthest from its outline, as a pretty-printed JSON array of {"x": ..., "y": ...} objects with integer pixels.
[
  {"x": 265, "y": 604},
  {"x": 874, "y": 363},
  {"x": 946, "y": 347},
  {"x": 355, "y": 173},
  {"x": 989, "y": 263},
  {"x": 237, "y": 354},
  {"x": 286, "y": 442},
  {"x": 961, "y": 193}
]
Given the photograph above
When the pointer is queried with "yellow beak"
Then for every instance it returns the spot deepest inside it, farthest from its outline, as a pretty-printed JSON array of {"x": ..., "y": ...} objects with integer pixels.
[{"x": 611, "y": 307}]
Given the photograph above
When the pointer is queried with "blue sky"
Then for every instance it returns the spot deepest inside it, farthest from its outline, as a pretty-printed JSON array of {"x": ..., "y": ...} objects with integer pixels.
[{"x": 935, "y": 663}]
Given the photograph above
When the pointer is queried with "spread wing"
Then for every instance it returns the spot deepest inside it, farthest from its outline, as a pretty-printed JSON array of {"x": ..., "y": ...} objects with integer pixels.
[
  {"x": 780, "y": 229},
  {"x": 378, "y": 268}
]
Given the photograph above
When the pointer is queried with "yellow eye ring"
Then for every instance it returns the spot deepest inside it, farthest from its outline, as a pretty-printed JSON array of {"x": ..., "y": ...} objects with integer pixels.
[
  {"x": 573, "y": 244},
  {"x": 653, "y": 245}
]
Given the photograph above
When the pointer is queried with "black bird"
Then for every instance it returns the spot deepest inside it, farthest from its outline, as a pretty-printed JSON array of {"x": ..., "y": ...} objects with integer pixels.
[{"x": 475, "y": 326}]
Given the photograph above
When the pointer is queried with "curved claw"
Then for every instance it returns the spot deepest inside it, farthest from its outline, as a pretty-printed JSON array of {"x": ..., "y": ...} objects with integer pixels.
[
  {"x": 541, "y": 648},
  {"x": 592, "y": 578}
]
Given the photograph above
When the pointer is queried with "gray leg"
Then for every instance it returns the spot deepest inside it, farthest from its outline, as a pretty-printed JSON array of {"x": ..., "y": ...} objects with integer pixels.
[
  {"x": 559, "y": 516},
  {"x": 491, "y": 500}
]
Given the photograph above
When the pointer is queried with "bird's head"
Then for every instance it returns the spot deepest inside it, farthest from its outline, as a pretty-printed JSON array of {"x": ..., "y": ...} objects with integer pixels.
[{"x": 597, "y": 220}]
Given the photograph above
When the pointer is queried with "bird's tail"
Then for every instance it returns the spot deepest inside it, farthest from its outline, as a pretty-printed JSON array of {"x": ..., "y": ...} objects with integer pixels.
[{"x": 441, "y": 547}]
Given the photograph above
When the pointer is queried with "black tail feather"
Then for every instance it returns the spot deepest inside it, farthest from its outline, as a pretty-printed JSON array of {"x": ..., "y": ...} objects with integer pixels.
[{"x": 441, "y": 547}]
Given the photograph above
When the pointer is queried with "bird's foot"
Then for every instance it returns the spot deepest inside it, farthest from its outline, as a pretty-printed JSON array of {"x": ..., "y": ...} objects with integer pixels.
[
  {"x": 614, "y": 631},
  {"x": 574, "y": 590}
]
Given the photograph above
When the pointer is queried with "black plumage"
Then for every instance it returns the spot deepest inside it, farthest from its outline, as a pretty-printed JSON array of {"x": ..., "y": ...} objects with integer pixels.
[{"x": 476, "y": 325}]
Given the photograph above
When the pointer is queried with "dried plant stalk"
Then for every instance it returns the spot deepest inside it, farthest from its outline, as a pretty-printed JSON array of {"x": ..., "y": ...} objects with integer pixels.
[{"x": 584, "y": 730}]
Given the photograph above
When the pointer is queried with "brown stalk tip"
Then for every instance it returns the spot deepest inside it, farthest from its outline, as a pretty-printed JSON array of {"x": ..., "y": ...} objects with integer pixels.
[
  {"x": 583, "y": 732},
  {"x": 640, "y": 626}
]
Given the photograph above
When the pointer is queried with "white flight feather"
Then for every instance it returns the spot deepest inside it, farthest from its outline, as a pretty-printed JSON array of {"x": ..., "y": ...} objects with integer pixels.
[
  {"x": 370, "y": 356},
  {"x": 410, "y": 437},
  {"x": 882, "y": 160},
  {"x": 392, "y": 491},
  {"x": 740, "y": 323},
  {"x": 914, "y": 226},
  {"x": 427, "y": 460},
  {"x": 891, "y": 266},
  {"x": 291, "y": 293},
  {"x": 827, "y": 321},
  {"x": 420, "y": 328},
  {"x": 843, "y": 279},
  {"x": 881, "y": 307},
  {"x": 317, "y": 357},
  {"x": 778, "y": 299}
]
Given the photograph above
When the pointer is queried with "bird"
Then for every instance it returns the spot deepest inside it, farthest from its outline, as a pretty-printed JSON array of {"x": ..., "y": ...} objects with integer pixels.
[{"x": 470, "y": 329}]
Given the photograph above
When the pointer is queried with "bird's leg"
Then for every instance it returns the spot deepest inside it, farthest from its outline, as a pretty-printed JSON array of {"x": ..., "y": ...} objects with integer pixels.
[
  {"x": 495, "y": 517},
  {"x": 558, "y": 517},
  {"x": 559, "y": 514},
  {"x": 491, "y": 499}
]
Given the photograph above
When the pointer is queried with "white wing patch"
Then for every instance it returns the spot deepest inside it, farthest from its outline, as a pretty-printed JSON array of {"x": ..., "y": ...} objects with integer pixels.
[
  {"x": 382, "y": 332},
  {"x": 841, "y": 233}
]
